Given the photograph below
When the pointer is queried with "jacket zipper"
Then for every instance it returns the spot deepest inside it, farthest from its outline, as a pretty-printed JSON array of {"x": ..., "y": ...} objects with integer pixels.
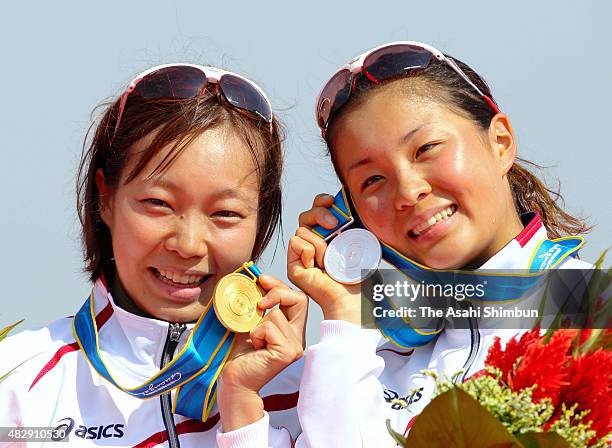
[
  {"x": 474, "y": 345},
  {"x": 174, "y": 334}
]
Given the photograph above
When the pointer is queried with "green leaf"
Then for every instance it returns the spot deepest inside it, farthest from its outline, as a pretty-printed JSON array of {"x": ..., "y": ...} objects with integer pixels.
[
  {"x": 455, "y": 420},
  {"x": 399, "y": 438},
  {"x": 599, "y": 339},
  {"x": 3, "y": 377},
  {"x": 542, "y": 440},
  {"x": 600, "y": 260},
  {"x": 3, "y": 334},
  {"x": 595, "y": 308},
  {"x": 5, "y": 331}
]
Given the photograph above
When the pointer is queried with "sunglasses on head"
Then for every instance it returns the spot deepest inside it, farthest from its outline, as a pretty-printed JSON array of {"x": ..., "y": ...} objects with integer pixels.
[
  {"x": 183, "y": 81},
  {"x": 381, "y": 64}
]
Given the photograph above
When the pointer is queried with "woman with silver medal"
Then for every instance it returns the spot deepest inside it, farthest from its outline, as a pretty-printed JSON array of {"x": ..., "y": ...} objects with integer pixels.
[{"x": 428, "y": 165}]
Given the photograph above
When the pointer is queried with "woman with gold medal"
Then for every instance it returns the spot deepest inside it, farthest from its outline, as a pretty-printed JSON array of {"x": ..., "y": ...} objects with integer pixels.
[{"x": 179, "y": 188}]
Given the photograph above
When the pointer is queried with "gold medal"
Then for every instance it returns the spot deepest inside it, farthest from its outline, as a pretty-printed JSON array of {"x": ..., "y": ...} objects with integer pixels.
[{"x": 235, "y": 302}]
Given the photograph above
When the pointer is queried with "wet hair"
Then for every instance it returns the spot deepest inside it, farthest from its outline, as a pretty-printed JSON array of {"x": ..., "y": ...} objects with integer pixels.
[
  {"x": 443, "y": 85},
  {"x": 176, "y": 122}
]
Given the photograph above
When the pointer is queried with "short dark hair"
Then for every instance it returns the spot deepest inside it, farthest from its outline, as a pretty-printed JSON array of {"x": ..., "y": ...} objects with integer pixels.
[{"x": 177, "y": 122}]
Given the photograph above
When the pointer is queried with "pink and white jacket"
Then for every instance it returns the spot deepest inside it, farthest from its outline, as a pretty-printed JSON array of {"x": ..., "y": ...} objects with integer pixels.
[
  {"x": 56, "y": 386},
  {"x": 354, "y": 379}
]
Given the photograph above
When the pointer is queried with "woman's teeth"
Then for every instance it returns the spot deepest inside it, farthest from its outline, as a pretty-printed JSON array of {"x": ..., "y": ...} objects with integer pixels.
[
  {"x": 440, "y": 216},
  {"x": 178, "y": 279}
]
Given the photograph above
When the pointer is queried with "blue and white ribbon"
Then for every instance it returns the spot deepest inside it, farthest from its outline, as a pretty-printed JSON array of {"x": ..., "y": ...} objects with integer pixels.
[
  {"x": 194, "y": 371},
  {"x": 500, "y": 287}
]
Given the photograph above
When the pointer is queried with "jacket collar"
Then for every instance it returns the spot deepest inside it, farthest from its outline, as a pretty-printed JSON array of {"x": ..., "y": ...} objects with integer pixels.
[
  {"x": 131, "y": 343},
  {"x": 517, "y": 253}
]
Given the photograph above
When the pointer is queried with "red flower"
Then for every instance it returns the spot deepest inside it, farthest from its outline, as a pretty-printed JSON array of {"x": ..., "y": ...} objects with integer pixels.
[
  {"x": 585, "y": 380},
  {"x": 544, "y": 365},
  {"x": 504, "y": 359},
  {"x": 590, "y": 385}
]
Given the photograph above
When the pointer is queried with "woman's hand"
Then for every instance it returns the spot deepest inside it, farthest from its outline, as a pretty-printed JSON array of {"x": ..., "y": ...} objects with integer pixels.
[
  {"x": 305, "y": 266},
  {"x": 258, "y": 356},
  {"x": 319, "y": 213}
]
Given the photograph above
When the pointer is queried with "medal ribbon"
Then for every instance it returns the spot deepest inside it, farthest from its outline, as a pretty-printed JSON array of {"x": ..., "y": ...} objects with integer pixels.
[
  {"x": 500, "y": 288},
  {"x": 194, "y": 371},
  {"x": 207, "y": 380}
]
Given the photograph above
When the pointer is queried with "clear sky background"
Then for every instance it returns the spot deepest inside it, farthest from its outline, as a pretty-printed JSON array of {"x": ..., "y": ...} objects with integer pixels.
[{"x": 548, "y": 63}]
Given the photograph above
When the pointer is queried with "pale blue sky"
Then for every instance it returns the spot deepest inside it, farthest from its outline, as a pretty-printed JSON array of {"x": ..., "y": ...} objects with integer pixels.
[{"x": 547, "y": 62}]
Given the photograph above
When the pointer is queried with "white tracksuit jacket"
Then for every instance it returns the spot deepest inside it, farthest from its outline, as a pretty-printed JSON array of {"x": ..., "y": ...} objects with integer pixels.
[
  {"x": 352, "y": 380},
  {"x": 57, "y": 386}
]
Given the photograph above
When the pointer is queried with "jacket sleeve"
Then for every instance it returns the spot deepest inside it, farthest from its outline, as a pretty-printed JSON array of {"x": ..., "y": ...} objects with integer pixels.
[
  {"x": 256, "y": 435},
  {"x": 17, "y": 362},
  {"x": 341, "y": 398}
]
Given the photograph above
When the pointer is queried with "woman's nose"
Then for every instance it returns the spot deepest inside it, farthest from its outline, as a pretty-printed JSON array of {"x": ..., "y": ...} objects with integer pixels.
[
  {"x": 189, "y": 238},
  {"x": 411, "y": 187}
]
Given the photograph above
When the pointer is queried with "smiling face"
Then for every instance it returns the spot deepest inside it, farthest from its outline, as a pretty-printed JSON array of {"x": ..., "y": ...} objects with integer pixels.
[
  {"x": 426, "y": 180},
  {"x": 174, "y": 235}
]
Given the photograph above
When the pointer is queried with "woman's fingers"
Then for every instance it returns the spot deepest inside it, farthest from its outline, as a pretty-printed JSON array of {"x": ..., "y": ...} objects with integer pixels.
[
  {"x": 319, "y": 245},
  {"x": 267, "y": 282},
  {"x": 260, "y": 355},
  {"x": 301, "y": 253},
  {"x": 323, "y": 200},
  {"x": 275, "y": 334},
  {"x": 319, "y": 214},
  {"x": 278, "y": 293},
  {"x": 293, "y": 304},
  {"x": 289, "y": 300},
  {"x": 302, "y": 268},
  {"x": 281, "y": 322}
]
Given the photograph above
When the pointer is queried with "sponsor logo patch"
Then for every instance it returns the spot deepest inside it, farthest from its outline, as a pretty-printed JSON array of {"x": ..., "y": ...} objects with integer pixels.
[
  {"x": 398, "y": 403},
  {"x": 106, "y": 431}
]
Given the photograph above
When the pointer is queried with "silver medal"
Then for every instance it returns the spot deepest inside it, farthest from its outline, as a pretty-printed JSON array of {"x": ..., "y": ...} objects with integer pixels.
[{"x": 352, "y": 256}]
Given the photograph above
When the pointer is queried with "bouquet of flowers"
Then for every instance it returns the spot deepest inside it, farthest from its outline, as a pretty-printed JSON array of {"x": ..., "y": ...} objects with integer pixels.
[{"x": 551, "y": 389}]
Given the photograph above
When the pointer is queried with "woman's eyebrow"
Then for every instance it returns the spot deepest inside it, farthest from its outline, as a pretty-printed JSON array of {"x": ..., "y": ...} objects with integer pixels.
[
  {"x": 162, "y": 182},
  {"x": 402, "y": 141},
  {"x": 359, "y": 163},
  {"x": 406, "y": 138},
  {"x": 221, "y": 193},
  {"x": 228, "y": 193}
]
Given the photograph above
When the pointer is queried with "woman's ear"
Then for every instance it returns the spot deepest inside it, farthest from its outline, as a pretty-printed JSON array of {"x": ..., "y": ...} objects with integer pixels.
[
  {"x": 501, "y": 137},
  {"x": 104, "y": 199}
]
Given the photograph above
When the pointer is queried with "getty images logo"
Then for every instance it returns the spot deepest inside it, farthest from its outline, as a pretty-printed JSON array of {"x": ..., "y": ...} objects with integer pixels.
[{"x": 66, "y": 425}]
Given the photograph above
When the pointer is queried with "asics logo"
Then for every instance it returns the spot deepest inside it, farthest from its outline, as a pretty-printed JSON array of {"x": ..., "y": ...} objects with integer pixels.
[
  {"x": 398, "y": 403},
  {"x": 113, "y": 430}
]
